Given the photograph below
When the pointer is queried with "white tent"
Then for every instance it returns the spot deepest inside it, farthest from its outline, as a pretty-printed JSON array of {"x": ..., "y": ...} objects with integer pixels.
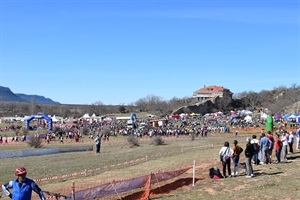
[
  {"x": 54, "y": 119},
  {"x": 298, "y": 119},
  {"x": 293, "y": 116},
  {"x": 86, "y": 116}
]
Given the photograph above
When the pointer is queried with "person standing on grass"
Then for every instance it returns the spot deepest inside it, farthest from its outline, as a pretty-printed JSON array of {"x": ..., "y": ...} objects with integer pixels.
[
  {"x": 98, "y": 143},
  {"x": 278, "y": 148},
  {"x": 265, "y": 144},
  {"x": 256, "y": 147},
  {"x": 284, "y": 145},
  {"x": 270, "y": 136},
  {"x": 22, "y": 187},
  {"x": 298, "y": 138},
  {"x": 226, "y": 152},
  {"x": 291, "y": 142},
  {"x": 249, "y": 152},
  {"x": 237, "y": 150}
]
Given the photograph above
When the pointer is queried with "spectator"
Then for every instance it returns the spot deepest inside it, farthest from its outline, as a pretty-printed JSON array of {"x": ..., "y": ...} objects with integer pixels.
[
  {"x": 256, "y": 147},
  {"x": 225, "y": 154},
  {"x": 237, "y": 150},
  {"x": 249, "y": 152},
  {"x": 284, "y": 145},
  {"x": 278, "y": 148},
  {"x": 270, "y": 136},
  {"x": 265, "y": 144},
  {"x": 291, "y": 142},
  {"x": 298, "y": 138}
]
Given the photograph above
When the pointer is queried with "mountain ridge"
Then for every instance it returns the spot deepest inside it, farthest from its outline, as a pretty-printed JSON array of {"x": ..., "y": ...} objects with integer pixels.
[{"x": 7, "y": 95}]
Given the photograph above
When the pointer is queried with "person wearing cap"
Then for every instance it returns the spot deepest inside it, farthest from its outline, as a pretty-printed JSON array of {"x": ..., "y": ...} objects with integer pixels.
[{"x": 22, "y": 186}]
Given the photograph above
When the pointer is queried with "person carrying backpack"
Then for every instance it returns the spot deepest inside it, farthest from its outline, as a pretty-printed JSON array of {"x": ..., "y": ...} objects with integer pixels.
[
  {"x": 225, "y": 154},
  {"x": 256, "y": 147},
  {"x": 249, "y": 152}
]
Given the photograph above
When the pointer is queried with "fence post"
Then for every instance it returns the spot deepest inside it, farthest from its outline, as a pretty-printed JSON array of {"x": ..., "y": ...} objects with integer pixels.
[
  {"x": 194, "y": 170},
  {"x": 73, "y": 190}
]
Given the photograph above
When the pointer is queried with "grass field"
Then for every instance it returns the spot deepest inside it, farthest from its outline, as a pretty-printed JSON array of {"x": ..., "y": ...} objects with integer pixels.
[{"x": 275, "y": 181}]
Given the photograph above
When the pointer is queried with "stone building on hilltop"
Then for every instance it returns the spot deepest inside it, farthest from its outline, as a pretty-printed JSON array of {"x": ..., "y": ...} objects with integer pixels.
[{"x": 211, "y": 92}]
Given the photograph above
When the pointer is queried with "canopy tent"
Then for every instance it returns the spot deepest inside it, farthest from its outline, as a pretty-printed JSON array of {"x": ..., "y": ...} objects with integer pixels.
[
  {"x": 293, "y": 116},
  {"x": 248, "y": 119},
  {"x": 86, "y": 116},
  {"x": 55, "y": 119},
  {"x": 298, "y": 119},
  {"x": 246, "y": 112},
  {"x": 286, "y": 116},
  {"x": 278, "y": 116}
]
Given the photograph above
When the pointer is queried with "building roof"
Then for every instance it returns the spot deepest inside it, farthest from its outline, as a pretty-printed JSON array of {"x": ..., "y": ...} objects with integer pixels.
[{"x": 212, "y": 88}]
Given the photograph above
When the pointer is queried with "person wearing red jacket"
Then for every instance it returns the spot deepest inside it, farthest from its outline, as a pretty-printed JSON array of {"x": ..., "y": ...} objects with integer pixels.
[{"x": 278, "y": 148}]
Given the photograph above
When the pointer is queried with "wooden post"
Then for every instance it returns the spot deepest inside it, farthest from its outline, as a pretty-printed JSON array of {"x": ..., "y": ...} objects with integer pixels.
[
  {"x": 73, "y": 190},
  {"x": 194, "y": 170}
]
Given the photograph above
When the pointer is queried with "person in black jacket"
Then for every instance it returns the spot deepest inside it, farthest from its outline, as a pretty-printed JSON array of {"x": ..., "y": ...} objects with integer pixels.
[{"x": 249, "y": 152}]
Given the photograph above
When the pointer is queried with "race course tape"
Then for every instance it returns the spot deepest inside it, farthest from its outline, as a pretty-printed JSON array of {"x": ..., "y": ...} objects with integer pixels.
[{"x": 139, "y": 160}]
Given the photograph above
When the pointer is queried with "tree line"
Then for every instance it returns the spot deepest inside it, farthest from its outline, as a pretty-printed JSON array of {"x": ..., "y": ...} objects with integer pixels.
[{"x": 279, "y": 100}]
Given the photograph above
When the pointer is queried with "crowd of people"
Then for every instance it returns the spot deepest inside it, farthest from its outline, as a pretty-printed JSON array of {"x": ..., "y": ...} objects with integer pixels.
[{"x": 259, "y": 151}]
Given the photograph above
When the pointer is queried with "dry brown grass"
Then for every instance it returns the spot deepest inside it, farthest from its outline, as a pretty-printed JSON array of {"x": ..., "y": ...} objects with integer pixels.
[{"x": 276, "y": 181}]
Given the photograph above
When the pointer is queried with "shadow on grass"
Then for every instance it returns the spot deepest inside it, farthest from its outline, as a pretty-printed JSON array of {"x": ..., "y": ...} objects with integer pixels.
[
  {"x": 269, "y": 174},
  {"x": 164, "y": 189},
  {"x": 294, "y": 156}
]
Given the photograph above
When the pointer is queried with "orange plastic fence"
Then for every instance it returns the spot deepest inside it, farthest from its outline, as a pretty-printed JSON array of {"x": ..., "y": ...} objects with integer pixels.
[{"x": 116, "y": 189}]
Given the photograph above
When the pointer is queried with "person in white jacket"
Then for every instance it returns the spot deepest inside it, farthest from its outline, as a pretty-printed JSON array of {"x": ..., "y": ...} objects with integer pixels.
[
  {"x": 284, "y": 140},
  {"x": 225, "y": 154}
]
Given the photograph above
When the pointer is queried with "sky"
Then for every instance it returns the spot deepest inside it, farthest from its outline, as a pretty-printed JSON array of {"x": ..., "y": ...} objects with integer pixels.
[{"x": 119, "y": 51}]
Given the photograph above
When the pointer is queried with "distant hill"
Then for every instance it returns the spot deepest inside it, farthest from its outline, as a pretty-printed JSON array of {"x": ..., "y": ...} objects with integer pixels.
[
  {"x": 7, "y": 95},
  {"x": 37, "y": 99}
]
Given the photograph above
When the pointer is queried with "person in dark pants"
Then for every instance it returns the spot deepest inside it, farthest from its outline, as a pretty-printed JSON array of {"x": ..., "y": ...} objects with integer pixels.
[
  {"x": 291, "y": 142},
  {"x": 225, "y": 154},
  {"x": 98, "y": 143},
  {"x": 278, "y": 148},
  {"x": 249, "y": 152}
]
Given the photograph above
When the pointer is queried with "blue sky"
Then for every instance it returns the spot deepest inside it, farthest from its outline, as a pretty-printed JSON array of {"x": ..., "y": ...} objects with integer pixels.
[{"x": 118, "y": 51}]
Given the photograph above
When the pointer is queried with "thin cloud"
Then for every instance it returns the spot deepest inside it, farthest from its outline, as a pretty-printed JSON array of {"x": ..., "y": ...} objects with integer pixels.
[{"x": 238, "y": 14}]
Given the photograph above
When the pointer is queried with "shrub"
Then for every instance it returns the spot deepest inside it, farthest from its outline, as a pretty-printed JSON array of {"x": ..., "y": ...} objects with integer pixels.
[
  {"x": 133, "y": 141},
  {"x": 35, "y": 142},
  {"x": 158, "y": 141},
  {"x": 105, "y": 131},
  {"x": 84, "y": 131},
  {"x": 193, "y": 136}
]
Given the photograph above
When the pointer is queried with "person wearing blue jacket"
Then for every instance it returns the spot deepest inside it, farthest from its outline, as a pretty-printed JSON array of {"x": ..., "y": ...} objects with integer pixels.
[{"x": 22, "y": 187}]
